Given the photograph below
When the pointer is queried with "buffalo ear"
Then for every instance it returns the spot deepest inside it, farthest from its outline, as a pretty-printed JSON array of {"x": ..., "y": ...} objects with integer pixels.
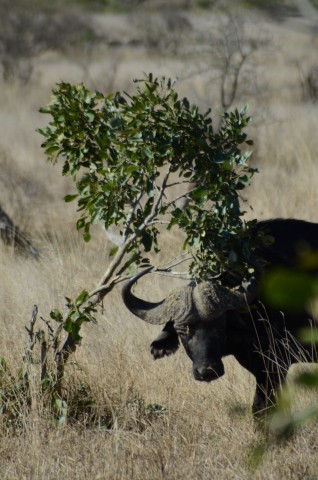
[{"x": 166, "y": 343}]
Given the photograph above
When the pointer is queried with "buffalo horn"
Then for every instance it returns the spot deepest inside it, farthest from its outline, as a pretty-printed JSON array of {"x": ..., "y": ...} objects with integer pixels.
[{"x": 176, "y": 306}]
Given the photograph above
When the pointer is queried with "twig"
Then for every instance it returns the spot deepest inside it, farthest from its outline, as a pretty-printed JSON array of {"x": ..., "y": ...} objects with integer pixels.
[
  {"x": 159, "y": 222},
  {"x": 44, "y": 352},
  {"x": 47, "y": 323},
  {"x": 178, "y": 183},
  {"x": 184, "y": 195},
  {"x": 106, "y": 288},
  {"x": 169, "y": 273},
  {"x": 32, "y": 336},
  {"x": 184, "y": 257},
  {"x": 130, "y": 215},
  {"x": 28, "y": 357}
]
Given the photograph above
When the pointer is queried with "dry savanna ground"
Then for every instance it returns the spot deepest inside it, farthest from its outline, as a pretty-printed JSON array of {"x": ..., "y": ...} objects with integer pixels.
[{"x": 140, "y": 419}]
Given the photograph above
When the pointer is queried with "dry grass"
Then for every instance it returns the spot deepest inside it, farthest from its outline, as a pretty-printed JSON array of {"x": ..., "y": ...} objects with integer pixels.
[{"x": 201, "y": 431}]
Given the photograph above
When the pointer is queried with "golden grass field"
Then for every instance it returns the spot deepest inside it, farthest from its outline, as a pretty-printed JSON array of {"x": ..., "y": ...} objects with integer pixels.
[{"x": 204, "y": 431}]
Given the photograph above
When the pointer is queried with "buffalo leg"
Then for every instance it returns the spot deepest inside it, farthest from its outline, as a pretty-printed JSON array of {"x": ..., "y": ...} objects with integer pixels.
[
  {"x": 267, "y": 384},
  {"x": 166, "y": 343}
]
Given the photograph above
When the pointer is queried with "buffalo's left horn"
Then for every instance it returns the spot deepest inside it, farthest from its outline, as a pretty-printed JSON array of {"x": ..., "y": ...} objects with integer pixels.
[{"x": 175, "y": 307}]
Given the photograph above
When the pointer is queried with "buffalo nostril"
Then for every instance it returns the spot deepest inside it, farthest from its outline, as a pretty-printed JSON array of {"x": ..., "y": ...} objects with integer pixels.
[{"x": 209, "y": 373}]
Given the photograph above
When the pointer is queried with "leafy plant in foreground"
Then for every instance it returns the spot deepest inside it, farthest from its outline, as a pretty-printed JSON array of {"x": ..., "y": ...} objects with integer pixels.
[
  {"x": 122, "y": 152},
  {"x": 133, "y": 158}
]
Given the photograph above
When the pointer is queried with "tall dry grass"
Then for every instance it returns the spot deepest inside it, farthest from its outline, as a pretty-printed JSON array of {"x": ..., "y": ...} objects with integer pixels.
[{"x": 134, "y": 418}]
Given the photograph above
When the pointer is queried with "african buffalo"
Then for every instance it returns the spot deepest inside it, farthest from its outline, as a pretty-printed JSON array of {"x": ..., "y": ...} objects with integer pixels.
[{"x": 214, "y": 320}]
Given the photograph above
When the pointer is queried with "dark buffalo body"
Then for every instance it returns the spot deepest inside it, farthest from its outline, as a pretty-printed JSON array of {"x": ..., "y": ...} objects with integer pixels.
[
  {"x": 262, "y": 339},
  {"x": 291, "y": 238}
]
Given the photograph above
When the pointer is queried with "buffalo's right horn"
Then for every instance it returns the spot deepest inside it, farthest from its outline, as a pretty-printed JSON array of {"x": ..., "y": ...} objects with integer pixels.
[{"x": 175, "y": 307}]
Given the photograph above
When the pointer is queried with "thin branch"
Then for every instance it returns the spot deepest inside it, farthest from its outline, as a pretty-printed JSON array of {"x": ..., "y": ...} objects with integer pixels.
[
  {"x": 48, "y": 324},
  {"x": 159, "y": 222},
  {"x": 179, "y": 183},
  {"x": 32, "y": 335},
  {"x": 170, "y": 273},
  {"x": 44, "y": 353},
  {"x": 161, "y": 191},
  {"x": 131, "y": 213},
  {"x": 56, "y": 339},
  {"x": 185, "y": 257},
  {"x": 184, "y": 195},
  {"x": 106, "y": 288}
]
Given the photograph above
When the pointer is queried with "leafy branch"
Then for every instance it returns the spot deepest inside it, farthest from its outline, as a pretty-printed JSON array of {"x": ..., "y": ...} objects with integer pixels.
[{"x": 132, "y": 159}]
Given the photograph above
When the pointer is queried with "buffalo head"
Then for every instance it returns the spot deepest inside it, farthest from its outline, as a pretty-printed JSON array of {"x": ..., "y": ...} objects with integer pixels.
[{"x": 197, "y": 315}]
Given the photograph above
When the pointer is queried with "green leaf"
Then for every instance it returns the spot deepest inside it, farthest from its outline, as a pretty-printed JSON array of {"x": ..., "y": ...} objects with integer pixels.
[
  {"x": 289, "y": 289},
  {"x": 113, "y": 251},
  {"x": 91, "y": 116},
  {"x": 80, "y": 223},
  {"x": 147, "y": 241},
  {"x": 132, "y": 169},
  {"x": 199, "y": 193},
  {"x": 308, "y": 335},
  {"x": 86, "y": 234},
  {"x": 56, "y": 315},
  {"x": 308, "y": 379},
  {"x": 73, "y": 327},
  {"x": 90, "y": 318},
  {"x": 70, "y": 198},
  {"x": 283, "y": 423},
  {"x": 82, "y": 298},
  {"x": 61, "y": 410},
  {"x": 51, "y": 150}
]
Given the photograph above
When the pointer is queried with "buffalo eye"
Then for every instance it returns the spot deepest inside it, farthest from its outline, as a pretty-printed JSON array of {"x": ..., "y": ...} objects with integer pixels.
[{"x": 189, "y": 331}]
